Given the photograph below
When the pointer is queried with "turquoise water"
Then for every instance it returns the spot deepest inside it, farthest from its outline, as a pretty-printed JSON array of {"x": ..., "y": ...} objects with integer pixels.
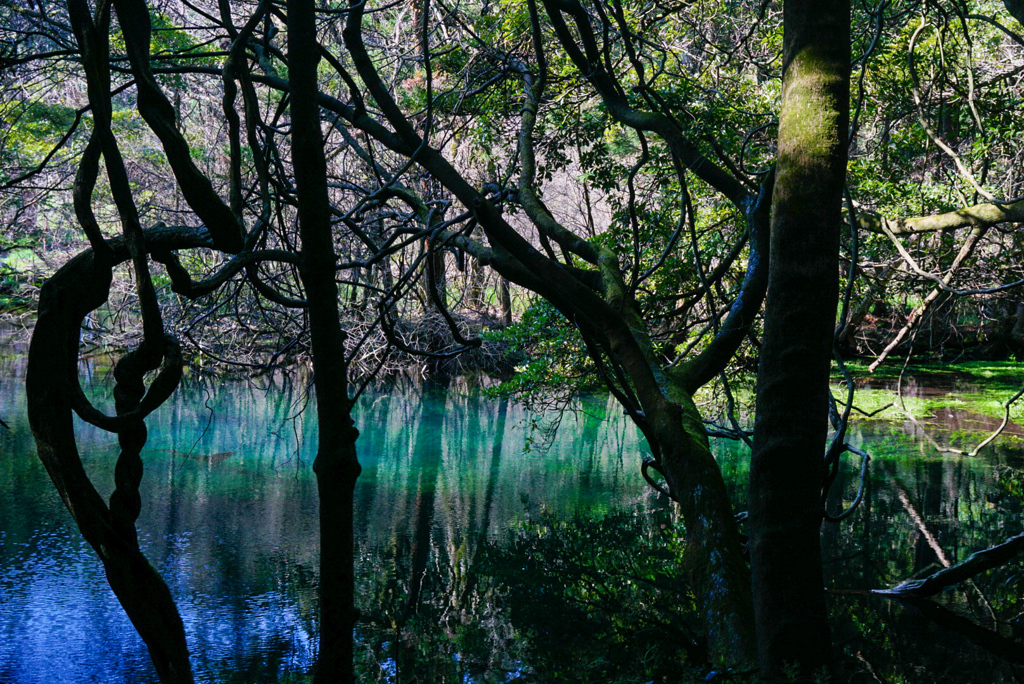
[
  {"x": 229, "y": 514},
  {"x": 229, "y": 519}
]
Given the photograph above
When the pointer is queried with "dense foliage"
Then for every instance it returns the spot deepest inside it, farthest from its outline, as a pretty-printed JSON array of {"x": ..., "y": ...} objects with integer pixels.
[{"x": 934, "y": 131}]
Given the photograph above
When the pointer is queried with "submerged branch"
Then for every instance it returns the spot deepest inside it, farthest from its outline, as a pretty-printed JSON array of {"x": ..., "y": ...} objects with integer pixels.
[
  {"x": 991, "y": 641},
  {"x": 977, "y": 563}
]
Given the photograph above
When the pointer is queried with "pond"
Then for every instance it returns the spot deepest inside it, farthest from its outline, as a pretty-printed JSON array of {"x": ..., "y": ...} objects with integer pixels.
[{"x": 492, "y": 547}]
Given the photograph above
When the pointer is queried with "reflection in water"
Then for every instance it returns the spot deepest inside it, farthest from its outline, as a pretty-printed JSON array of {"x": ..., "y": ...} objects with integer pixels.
[
  {"x": 451, "y": 491},
  {"x": 230, "y": 513}
]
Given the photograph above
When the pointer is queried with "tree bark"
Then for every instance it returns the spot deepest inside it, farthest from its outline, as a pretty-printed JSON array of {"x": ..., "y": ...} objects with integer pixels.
[
  {"x": 336, "y": 464},
  {"x": 1016, "y": 8},
  {"x": 792, "y": 387},
  {"x": 51, "y": 384},
  {"x": 505, "y": 299}
]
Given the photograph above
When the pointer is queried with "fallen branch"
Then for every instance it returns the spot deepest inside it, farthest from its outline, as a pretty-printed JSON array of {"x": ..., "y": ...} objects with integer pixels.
[
  {"x": 914, "y": 593},
  {"x": 998, "y": 431},
  {"x": 919, "y": 312},
  {"x": 955, "y": 574}
]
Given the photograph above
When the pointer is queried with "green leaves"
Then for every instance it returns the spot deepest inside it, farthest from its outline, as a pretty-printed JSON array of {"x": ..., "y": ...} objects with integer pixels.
[
  {"x": 34, "y": 126},
  {"x": 548, "y": 356}
]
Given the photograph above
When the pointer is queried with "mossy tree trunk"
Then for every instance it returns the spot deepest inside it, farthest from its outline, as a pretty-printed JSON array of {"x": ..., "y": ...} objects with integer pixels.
[{"x": 792, "y": 388}]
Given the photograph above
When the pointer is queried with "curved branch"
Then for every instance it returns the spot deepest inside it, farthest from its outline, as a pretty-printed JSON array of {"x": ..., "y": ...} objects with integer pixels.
[
  {"x": 975, "y": 564},
  {"x": 589, "y": 65},
  {"x": 929, "y": 131},
  {"x": 66, "y": 298},
  {"x": 225, "y": 227},
  {"x": 528, "y": 198},
  {"x": 745, "y": 307},
  {"x": 182, "y": 283}
]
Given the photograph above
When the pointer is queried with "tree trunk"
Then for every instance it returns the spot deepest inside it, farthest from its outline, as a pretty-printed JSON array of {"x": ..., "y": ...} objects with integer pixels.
[
  {"x": 437, "y": 274},
  {"x": 336, "y": 465},
  {"x": 792, "y": 387},
  {"x": 74, "y": 291},
  {"x": 505, "y": 300},
  {"x": 1016, "y": 8}
]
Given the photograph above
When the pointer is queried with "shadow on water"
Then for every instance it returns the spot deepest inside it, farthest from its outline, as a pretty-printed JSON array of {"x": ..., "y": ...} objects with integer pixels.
[{"x": 480, "y": 560}]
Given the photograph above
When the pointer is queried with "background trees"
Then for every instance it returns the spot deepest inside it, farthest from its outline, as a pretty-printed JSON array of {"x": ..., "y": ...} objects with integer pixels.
[{"x": 344, "y": 185}]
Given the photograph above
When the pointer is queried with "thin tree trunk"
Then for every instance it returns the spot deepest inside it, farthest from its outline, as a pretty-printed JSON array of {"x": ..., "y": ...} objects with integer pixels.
[
  {"x": 438, "y": 274},
  {"x": 845, "y": 337},
  {"x": 505, "y": 300},
  {"x": 336, "y": 465},
  {"x": 792, "y": 386},
  {"x": 1017, "y": 333}
]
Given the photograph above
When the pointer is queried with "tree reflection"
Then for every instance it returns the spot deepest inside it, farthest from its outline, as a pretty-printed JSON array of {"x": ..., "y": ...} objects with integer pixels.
[{"x": 524, "y": 566}]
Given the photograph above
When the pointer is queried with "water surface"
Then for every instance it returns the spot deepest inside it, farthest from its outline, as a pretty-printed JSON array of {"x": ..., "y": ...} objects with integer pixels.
[{"x": 450, "y": 478}]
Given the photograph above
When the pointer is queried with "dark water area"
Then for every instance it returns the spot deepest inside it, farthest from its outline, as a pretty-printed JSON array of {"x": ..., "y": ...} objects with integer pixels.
[{"x": 464, "y": 506}]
